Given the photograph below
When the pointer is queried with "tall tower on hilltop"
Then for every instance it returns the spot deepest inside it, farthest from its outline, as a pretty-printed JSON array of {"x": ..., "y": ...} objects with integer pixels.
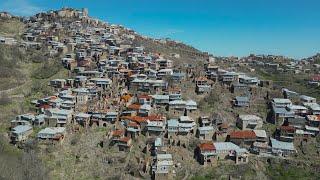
[{"x": 85, "y": 12}]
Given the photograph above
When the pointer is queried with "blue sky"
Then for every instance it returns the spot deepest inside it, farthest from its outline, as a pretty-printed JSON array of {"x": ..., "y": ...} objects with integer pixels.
[{"x": 221, "y": 27}]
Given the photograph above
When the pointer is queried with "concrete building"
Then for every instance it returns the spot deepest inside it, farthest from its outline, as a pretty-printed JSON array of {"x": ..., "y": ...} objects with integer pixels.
[{"x": 247, "y": 121}]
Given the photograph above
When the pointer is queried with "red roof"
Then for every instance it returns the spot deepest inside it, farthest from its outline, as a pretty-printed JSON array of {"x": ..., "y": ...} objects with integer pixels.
[
  {"x": 126, "y": 97},
  {"x": 53, "y": 97},
  {"x": 44, "y": 106},
  {"x": 136, "y": 119},
  {"x": 316, "y": 77},
  {"x": 155, "y": 117},
  {"x": 287, "y": 128},
  {"x": 134, "y": 106},
  {"x": 58, "y": 137},
  {"x": 144, "y": 96},
  {"x": 246, "y": 134},
  {"x": 207, "y": 146},
  {"x": 201, "y": 78},
  {"x": 117, "y": 133}
]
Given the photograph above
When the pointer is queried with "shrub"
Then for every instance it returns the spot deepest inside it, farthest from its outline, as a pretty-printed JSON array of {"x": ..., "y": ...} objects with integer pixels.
[
  {"x": 47, "y": 70},
  {"x": 4, "y": 99}
]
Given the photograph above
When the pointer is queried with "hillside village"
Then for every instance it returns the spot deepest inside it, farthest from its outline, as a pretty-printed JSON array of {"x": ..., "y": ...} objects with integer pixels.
[{"x": 132, "y": 111}]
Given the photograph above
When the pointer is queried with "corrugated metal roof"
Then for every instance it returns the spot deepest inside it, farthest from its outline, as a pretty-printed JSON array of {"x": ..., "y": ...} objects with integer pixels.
[
  {"x": 225, "y": 146},
  {"x": 282, "y": 145},
  {"x": 21, "y": 128}
]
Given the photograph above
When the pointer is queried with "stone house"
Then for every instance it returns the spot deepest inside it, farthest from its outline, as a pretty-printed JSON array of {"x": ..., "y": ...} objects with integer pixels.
[
  {"x": 205, "y": 133},
  {"x": 206, "y": 153},
  {"x": 247, "y": 121},
  {"x": 244, "y": 138},
  {"x": 20, "y": 133}
]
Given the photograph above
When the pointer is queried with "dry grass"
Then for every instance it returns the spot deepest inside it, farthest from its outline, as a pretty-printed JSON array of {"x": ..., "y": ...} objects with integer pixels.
[{"x": 11, "y": 28}]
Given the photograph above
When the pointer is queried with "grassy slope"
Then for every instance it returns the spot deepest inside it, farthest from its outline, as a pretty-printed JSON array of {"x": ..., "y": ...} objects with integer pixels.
[
  {"x": 26, "y": 76},
  {"x": 11, "y": 28},
  {"x": 261, "y": 169},
  {"x": 31, "y": 90},
  {"x": 295, "y": 82}
]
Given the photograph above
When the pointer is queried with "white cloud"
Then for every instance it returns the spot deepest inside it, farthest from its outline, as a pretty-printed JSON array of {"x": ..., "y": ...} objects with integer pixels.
[{"x": 20, "y": 7}]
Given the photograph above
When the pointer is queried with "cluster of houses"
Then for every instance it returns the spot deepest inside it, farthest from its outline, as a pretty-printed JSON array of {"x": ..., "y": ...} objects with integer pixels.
[
  {"x": 237, "y": 144},
  {"x": 114, "y": 83},
  {"x": 298, "y": 116},
  {"x": 298, "y": 122},
  {"x": 279, "y": 65}
]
